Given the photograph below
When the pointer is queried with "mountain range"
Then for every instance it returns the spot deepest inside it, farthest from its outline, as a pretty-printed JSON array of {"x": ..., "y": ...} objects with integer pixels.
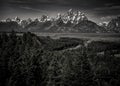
[{"x": 70, "y": 22}]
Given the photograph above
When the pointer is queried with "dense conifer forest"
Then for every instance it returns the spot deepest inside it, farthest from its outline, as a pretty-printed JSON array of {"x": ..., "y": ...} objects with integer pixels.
[{"x": 30, "y": 60}]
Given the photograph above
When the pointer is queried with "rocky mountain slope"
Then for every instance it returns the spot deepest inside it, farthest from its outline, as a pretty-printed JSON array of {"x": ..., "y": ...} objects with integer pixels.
[{"x": 114, "y": 25}]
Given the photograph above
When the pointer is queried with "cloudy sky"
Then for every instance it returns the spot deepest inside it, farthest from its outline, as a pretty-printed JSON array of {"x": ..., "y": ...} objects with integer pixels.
[{"x": 96, "y": 10}]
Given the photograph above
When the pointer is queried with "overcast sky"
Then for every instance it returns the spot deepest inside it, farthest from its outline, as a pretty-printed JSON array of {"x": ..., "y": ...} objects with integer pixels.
[{"x": 96, "y": 10}]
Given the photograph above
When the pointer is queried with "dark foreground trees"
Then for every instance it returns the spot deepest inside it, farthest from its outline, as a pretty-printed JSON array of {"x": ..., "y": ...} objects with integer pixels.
[{"x": 29, "y": 60}]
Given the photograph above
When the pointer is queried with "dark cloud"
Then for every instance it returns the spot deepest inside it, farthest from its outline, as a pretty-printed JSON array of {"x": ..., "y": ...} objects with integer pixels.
[
  {"x": 111, "y": 10},
  {"x": 76, "y": 3}
]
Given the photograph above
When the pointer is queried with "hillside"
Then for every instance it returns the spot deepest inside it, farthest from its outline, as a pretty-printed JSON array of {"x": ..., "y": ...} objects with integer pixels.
[{"x": 29, "y": 60}]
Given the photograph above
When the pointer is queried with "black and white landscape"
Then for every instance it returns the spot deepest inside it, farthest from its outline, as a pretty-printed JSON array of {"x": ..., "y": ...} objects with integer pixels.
[{"x": 59, "y": 43}]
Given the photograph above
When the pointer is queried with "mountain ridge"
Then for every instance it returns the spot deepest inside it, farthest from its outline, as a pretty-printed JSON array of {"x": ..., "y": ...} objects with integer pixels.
[{"x": 76, "y": 22}]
